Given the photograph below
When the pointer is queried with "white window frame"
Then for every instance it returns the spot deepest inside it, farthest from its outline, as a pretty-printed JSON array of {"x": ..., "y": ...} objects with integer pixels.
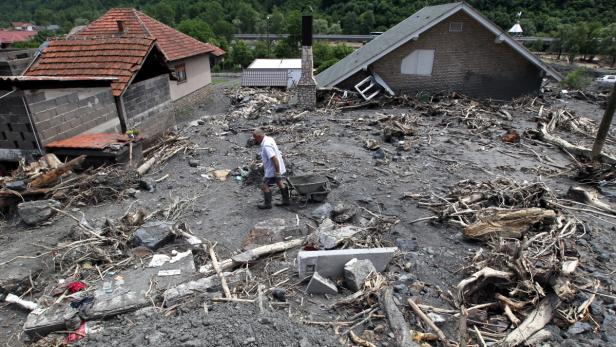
[
  {"x": 419, "y": 62},
  {"x": 180, "y": 73}
]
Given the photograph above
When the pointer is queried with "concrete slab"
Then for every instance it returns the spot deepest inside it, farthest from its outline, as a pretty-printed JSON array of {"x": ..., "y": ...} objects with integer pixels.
[
  {"x": 321, "y": 285},
  {"x": 330, "y": 264},
  {"x": 209, "y": 284},
  {"x": 42, "y": 321}
]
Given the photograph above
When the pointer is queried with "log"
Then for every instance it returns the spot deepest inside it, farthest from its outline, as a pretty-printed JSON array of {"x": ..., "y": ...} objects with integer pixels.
[
  {"x": 544, "y": 135},
  {"x": 441, "y": 335},
  {"x": 506, "y": 223},
  {"x": 396, "y": 320},
  {"x": 223, "y": 281},
  {"x": 52, "y": 176},
  {"x": 256, "y": 253},
  {"x": 145, "y": 167},
  {"x": 534, "y": 322},
  {"x": 589, "y": 197}
]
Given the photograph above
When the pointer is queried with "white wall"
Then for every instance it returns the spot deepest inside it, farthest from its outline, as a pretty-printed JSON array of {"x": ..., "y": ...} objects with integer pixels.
[
  {"x": 294, "y": 76},
  {"x": 197, "y": 76}
]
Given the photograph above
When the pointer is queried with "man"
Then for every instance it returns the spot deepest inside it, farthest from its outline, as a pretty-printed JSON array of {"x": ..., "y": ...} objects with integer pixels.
[{"x": 273, "y": 165}]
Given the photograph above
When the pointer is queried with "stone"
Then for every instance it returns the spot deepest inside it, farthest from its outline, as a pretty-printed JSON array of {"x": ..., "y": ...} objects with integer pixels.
[
  {"x": 153, "y": 234},
  {"x": 322, "y": 212},
  {"x": 16, "y": 185},
  {"x": 608, "y": 333},
  {"x": 356, "y": 272},
  {"x": 379, "y": 154},
  {"x": 147, "y": 185},
  {"x": 193, "y": 163},
  {"x": 280, "y": 294},
  {"x": 407, "y": 245},
  {"x": 331, "y": 263},
  {"x": 270, "y": 231},
  {"x": 321, "y": 285},
  {"x": 36, "y": 212},
  {"x": 579, "y": 328},
  {"x": 329, "y": 239},
  {"x": 132, "y": 192}
]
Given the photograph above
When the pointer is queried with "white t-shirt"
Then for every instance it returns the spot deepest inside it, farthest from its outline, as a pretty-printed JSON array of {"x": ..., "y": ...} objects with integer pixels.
[{"x": 269, "y": 149}]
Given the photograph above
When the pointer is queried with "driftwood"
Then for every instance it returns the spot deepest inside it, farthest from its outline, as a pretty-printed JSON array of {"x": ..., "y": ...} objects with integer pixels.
[
  {"x": 506, "y": 223},
  {"x": 223, "y": 281},
  {"x": 544, "y": 135},
  {"x": 145, "y": 167},
  {"x": 255, "y": 253},
  {"x": 486, "y": 272},
  {"x": 535, "y": 321},
  {"x": 441, "y": 335},
  {"x": 589, "y": 197},
  {"x": 359, "y": 341},
  {"x": 10, "y": 197},
  {"x": 50, "y": 177},
  {"x": 397, "y": 323}
]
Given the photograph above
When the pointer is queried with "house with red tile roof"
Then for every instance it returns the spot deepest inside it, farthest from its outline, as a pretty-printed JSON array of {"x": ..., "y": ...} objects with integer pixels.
[
  {"x": 189, "y": 58},
  {"x": 8, "y": 37}
]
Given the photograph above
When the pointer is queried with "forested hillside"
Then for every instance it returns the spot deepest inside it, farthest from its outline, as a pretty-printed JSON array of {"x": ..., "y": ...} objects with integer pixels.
[{"x": 217, "y": 20}]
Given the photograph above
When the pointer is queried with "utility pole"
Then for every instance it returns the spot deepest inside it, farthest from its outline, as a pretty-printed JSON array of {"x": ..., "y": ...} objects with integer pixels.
[
  {"x": 267, "y": 19},
  {"x": 604, "y": 127}
]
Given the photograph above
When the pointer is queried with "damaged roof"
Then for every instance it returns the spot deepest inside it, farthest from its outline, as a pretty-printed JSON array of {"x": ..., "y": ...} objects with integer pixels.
[
  {"x": 117, "y": 57},
  {"x": 409, "y": 29},
  {"x": 172, "y": 43}
]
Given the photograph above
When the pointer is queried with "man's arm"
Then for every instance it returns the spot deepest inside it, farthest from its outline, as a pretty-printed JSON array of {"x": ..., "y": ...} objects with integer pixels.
[{"x": 276, "y": 165}]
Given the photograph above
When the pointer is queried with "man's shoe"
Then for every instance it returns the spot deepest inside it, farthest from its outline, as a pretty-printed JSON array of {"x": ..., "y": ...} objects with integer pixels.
[
  {"x": 267, "y": 201},
  {"x": 286, "y": 196}
]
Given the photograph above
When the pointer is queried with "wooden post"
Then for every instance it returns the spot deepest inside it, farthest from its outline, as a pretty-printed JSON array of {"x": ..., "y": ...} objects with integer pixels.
[{"x": 604, "y": 127}]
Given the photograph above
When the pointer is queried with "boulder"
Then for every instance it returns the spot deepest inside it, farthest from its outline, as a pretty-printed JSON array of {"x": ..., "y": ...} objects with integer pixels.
[
  {"x": 356, "y": 272},
  {"x": 153, "y": 235},
  {"x": 35, "y": 212}
]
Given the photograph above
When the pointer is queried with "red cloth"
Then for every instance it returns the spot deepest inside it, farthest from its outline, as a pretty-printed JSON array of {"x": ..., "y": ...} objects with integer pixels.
[
  {"x": 76, "y": 286},
  {"x": 77, "y": 335}
]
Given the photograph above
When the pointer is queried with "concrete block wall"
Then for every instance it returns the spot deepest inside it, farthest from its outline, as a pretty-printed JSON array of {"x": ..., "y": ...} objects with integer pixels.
[
  {"x": 16, "y": 131},
  {"x": 60, "y": 114},
  {"x": 148, "y": 107},
  {"x": 470, "y": 62}
]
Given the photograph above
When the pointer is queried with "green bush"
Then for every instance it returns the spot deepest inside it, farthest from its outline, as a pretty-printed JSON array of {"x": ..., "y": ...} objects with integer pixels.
[{"x": 579, "y": 78}]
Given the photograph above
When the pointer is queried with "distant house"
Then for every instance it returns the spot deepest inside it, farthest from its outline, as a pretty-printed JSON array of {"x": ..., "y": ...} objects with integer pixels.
[
  {"x": 272, "y": 73},
  {"x": 52, "y": 27},
  {"x": 25, "y": 26},
  {"x": 450, "y": 47},
  {"x": 188, "y": 58},
  {"x": 8, "y": 37}
]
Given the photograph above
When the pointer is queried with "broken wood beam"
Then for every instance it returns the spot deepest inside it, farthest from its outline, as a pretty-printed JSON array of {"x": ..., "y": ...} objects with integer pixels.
[
  {"x": 534, "y": 322},
  {"x": 506, "y": 223},
  {"x": 52, "y": 176},
  {"x": 396, "y": 320}
]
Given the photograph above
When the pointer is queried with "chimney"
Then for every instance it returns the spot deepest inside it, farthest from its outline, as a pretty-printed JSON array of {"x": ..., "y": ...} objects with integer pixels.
[
  {"x": 307, "y": 86},
  {"x": 120, "y": 26}
]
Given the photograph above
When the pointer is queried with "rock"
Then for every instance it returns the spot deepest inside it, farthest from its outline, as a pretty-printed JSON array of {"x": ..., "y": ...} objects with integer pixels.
[
  {"x": 436, "y": 318},
  {"x": 153, "y": 235},
  {"x": 321, "y": 285},
  {"x": 608, "y": 333},
  {"x": 343, "y": 213},
  {"x": 379, "y": 154},
  {"x": 329, "y": 239},
  {"x": 16, "y": 185},
  {"x": 401, "y": 288},
  {"x": 280, "y": 294},
  {"x": 270, "y": 231},
  {"x": 147, "y": 185},
  {"x": 193, "y": 163},
  {"x": 356, "y": 272},
  {"x": 579, "y": 328},
  {"x": 322, "y": 212},
  {"x": 35, "y": 212},
  {"x": 331, "y": 262},
  {"x": 132, "y": 192},
  {"x": 407, "y": 245}
]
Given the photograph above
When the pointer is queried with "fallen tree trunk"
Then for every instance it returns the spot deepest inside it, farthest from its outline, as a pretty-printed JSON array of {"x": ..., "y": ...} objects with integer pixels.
[
  {"x": 506, "y": 223},
  {"x": 535, "y": 321},
  {"x": 50, "y": 177},
  {"x": 589, "y": 197},
  {"x": 396, "y": 320},
  {"x": 545, "y": 136}
]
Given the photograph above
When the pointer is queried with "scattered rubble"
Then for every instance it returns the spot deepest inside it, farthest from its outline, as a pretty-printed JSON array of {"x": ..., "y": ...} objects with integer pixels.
[
  {"x": 321, "y": 285},
  {"x": 36, "y": 212}
]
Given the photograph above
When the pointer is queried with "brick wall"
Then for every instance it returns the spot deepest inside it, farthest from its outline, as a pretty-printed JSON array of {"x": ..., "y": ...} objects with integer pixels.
[
  {"x": 62, "y": 113},
  {"x": 15, "y": 129},
  {"x": 147, "y": 105},
  {"x": 469, "y": 62}
]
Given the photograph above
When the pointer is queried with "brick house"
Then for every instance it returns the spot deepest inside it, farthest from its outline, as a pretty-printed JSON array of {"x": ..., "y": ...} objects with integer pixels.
[
  {"x": 450, "y": 47},
  {"x": 188, "y": 58}
]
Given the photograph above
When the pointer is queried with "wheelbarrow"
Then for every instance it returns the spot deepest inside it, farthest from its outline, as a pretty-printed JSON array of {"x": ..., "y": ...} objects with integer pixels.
[{"x": 310, "y": 187}]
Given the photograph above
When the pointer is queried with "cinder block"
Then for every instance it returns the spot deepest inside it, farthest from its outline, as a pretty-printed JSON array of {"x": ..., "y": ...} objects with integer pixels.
[
  {"x": 331, "y": 263},
  {"x": 321, "y": 285}
]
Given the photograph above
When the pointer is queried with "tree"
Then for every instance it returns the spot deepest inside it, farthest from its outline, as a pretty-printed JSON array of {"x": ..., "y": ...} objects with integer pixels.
[
  {"x": 162, "y": 11},
  {"x": 196, "y": 28},
  {"x": 223, "y": 29},
  {"x": 240, "y": 55},
  {"x": 320, "y": 26},
  {"x": 349, "y": 23},
  {"x": 366, "y": 22},
  {"x": 247, "y": 16},
  {"x": 607, "y": 45}
]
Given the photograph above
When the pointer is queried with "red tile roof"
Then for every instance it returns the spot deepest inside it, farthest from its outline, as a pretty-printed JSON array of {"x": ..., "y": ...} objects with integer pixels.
[
  {"x": 10, "y": 36},
  {"x": 90, "y": 141},
  {"x": 102, "y": 57},
  {"x": 174, "y": 44}
]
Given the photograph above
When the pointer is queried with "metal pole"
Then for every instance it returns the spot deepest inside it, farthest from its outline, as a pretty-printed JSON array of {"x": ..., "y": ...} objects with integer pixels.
[
  {"x": 268, "y": 39},
  {"x": 604, "y": 127}
]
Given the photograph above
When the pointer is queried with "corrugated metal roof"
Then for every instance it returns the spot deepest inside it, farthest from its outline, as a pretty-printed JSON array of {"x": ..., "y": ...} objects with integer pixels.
[
  {"x": 276, "y": 64},
  {"x": 264, "y": 78},
  {"x": 405, "y": 31}
]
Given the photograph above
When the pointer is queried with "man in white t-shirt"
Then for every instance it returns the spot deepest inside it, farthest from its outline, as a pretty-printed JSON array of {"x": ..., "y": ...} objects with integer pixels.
[{"x": 273, "y": 166}]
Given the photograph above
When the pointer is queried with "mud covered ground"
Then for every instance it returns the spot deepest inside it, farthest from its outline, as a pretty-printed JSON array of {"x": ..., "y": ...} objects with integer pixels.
[{"x": 444, "y": 149}]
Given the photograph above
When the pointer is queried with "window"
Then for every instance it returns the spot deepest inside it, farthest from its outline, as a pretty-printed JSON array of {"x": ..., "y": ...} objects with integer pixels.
[
  {"x": 419, "y": 62},
  {"x": 180, "y": 73},
  {"x": 455, "y": 27}
]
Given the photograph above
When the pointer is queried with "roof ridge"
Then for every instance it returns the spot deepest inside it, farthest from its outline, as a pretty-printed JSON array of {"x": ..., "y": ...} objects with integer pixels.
[{"x": 141, "y": 23}]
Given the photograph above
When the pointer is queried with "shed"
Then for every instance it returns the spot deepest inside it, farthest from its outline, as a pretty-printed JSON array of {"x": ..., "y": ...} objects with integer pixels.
[{"x": 272, "y": 73}]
